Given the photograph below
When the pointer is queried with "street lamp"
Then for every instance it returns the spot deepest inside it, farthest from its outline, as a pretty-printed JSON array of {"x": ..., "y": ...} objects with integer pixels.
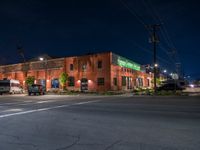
[
  {"x": 44, "y": 59},
  {"x": 155, "y": 77},
  {"x": 165, "y": 71},
  {"x": 41, "y": 58}
]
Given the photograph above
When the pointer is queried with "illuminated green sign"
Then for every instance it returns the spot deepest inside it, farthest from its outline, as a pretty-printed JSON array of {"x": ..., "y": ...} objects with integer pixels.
[
  {"x": 128, "y": 64},
  {"x": 123, "y": 62}
]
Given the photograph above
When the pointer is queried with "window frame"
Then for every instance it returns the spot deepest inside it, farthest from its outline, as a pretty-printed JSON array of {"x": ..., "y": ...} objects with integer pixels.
[
  {"x": 84, "y": 67},
  {"x": 124, "y": 81},
  {"x": 53, "y": 80},
  {"x": 115, "y": 81},
  {"x": 99, "y": 64},
  {"x": 100, "y": 81},
  {"x": 71, "y": 81},
  {"x": 71, "y": 67}
]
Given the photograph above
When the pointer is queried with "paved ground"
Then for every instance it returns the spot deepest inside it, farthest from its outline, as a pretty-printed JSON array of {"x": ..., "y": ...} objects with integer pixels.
[{"x": 99, "y": 123}]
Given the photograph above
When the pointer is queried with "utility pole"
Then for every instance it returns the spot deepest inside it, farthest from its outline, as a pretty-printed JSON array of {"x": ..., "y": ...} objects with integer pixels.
[{"x": 154, "y": 40}]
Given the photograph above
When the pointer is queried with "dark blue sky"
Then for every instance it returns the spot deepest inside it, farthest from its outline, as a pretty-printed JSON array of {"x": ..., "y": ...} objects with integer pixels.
[{"x": 71, "y": 27}]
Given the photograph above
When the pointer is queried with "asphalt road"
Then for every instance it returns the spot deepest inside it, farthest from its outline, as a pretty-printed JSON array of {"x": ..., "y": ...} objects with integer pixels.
[{"x": 99, "y": 123}]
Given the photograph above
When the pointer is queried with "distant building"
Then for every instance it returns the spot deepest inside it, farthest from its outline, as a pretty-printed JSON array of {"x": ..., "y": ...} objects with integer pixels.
[{"x": 93, "y": 72}]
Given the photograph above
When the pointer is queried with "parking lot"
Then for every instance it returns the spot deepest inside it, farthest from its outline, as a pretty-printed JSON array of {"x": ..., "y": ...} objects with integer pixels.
[{"x": 53, "y": 122}]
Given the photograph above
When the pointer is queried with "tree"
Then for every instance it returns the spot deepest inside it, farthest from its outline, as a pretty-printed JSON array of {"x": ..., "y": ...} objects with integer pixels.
[
  {"x": 158, "y": 81},
  {"x": 63, "y": 79},
  {"x": 30, "y": 80}
]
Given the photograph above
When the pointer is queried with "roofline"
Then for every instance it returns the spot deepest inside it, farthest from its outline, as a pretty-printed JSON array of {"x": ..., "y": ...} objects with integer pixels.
[
  {"x": 55, "y": 58},
  {"x": 89, "y": 54}
]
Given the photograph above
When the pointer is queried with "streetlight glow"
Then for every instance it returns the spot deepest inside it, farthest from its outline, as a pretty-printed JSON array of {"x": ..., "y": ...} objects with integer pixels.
[
  {"x": 155, "y": 65},
  {"x": 192, "y": 85},
  {"x": 41, "y": 58}
]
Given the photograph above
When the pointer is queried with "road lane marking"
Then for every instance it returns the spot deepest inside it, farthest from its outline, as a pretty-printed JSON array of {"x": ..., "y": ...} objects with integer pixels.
[
  {"x": 47, "y": 108},
  {"x": 27, "y": 102},
  {"x": 12, "y": 110},
  {"x": 23, "y": 102},
  {"x": 41, "y": 102}
]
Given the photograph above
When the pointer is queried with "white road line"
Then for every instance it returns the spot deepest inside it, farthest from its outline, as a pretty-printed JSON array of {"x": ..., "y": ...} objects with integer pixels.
[
  {"x": 45, "y": 109},
  {"x": 23, "y": 102}
]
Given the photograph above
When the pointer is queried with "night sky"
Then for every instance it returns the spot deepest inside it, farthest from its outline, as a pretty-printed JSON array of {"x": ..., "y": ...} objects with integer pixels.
[{"x": 75, "y": 27}]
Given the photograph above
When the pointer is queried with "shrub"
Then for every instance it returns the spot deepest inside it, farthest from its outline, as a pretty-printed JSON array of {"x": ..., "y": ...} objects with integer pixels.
[
  {"x": 30, "y": 80},
  {"x": 63, "y": 79}
]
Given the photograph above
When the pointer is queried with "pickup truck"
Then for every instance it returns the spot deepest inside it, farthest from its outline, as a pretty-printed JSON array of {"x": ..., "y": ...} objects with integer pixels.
[{"x": 36, "y": 89}]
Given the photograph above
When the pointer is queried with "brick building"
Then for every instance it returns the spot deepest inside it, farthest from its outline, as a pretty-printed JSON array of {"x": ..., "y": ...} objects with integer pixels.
[{"x": 93, "y": 72}]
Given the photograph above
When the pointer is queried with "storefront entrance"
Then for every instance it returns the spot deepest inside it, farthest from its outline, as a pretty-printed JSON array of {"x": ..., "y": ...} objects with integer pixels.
[{"x": 84, "y": 84}]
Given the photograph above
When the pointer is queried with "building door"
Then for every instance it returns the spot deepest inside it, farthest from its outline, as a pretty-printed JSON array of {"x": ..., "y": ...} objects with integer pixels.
[
  {"x": 139, "y": 82},
  {"x": 84, "y": 84},
  {"x": 128, "y": 82}
]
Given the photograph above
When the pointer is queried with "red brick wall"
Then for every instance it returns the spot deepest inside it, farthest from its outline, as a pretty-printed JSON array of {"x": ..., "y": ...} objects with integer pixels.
[
  {"x": 92, "y": 72},
  {"x": 118, "y": 72},
  {"x": 55, "y": 67}
]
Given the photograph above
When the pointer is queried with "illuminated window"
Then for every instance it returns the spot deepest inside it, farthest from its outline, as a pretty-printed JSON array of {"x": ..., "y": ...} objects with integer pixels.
[
  {"x": 55, "y": 83},
  {"x": 139, "y": 82}
]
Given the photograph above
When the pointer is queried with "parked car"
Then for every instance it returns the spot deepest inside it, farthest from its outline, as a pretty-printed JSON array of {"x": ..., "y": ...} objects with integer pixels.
[
  {"x": 36, "y": 89},
  {"x": 170, "y": 87},
  {"x": 10, "y": 86}
]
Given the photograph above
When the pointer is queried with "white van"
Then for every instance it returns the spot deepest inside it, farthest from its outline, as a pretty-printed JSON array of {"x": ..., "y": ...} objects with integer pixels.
[{"x": 10, "y": 86}]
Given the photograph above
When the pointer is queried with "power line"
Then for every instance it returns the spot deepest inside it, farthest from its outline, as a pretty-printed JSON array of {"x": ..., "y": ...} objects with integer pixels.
[
  {"x": 149, "y": 12},
  {"x": 167, "y": 52},
  {"x": 156, "y": 19},
  {"x": 164, "y": 32},
  {"x": 134, "y": 13},
  {"x": 150, "y": 52}
]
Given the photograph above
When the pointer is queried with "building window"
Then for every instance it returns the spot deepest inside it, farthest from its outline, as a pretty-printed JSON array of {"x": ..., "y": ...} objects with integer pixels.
[
  {"x": 100, "y": 81},
  {"x": 55, "y": 83},
  {"x": 139, "y": 82},
  {"x": 42, "y": 82},
  {"x": 83, "y": 67},
  {"x": 99, "y": 64},
  {"x": 71, "y": 67},
  {"x": 115, "y": 81},
  {"x": 70, "y": 81},
  {"x": 148, "y": 82},
  {"x": 123, "y": 81}
]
